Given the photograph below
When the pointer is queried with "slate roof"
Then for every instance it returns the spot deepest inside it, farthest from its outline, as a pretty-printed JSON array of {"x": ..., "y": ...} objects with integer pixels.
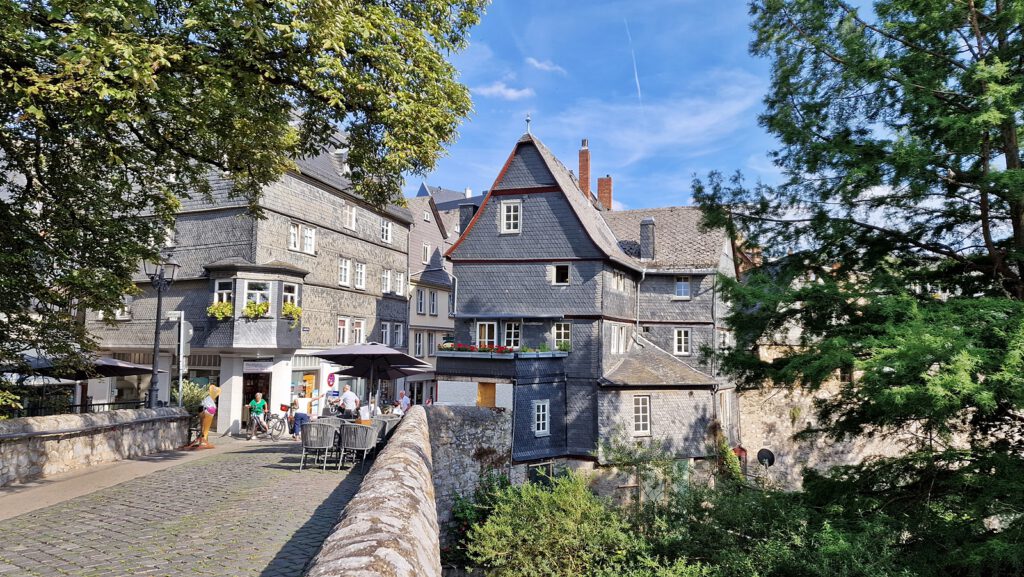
[
  {"x": 679, "y": 242},
  {"x": 329, "y": 168},
  {"x": 649, "y": 365},
  {"x": 269, "y": 266},
  {"x": 441, "y": 194},
  {"x": 420, "y": 204},
  {"x": 434, "y": 277}
]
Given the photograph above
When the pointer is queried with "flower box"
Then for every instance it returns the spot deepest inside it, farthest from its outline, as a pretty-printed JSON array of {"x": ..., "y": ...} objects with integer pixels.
[{"x": 463, "y": 354}]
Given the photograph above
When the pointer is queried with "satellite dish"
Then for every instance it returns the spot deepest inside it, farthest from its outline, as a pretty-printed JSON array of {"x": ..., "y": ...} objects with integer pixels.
[{"x": 766, "y": 457}]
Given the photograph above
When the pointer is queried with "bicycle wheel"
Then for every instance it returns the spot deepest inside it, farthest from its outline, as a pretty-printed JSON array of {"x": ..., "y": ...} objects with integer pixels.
[{"x": 277, "y": 428}]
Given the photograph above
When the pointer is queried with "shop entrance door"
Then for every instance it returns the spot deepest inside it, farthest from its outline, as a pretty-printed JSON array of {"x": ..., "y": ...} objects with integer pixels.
[{"x": 253, "y": 383}]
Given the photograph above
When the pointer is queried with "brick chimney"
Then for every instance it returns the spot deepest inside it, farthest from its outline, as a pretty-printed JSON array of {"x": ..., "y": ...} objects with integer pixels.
[
  {"x": 585, "y": 168},
  {"x": 647, "y": 238},
  {"x": 604, "y": 191}
]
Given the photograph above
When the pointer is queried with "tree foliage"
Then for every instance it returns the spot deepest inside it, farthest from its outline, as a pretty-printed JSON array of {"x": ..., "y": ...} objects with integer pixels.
[
  {"x": 895, "y": 250},
  {"x": 112, "y": 109}
]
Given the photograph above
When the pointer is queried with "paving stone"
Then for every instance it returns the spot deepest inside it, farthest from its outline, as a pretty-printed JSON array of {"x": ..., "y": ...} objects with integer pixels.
[{"x": 249, "y": 513}]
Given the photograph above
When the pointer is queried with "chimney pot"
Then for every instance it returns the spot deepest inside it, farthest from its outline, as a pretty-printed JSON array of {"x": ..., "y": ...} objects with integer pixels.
[
  {"x": 604, "y": 191},
  {"x": 585, "y": 168},
  {"x": 647, "y": 238}
]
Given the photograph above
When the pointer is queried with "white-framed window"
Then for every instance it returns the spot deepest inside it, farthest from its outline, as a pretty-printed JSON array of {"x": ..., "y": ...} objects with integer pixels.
[
  {"x": 345, "y": 271},
  {"x": 224, "y": 292},
  {"x": 682, "y": 287},
  {"x": 399, "y": 340},
  {"x": 308, "y": 240},
  {"x": 433, "y": 303},
  {"x": 426, "y": 216},
  {"x": 348, "y": 216},
  {"x": 511, "y": 216},
  {"x": 385, "y": 281},
  {"x": 560, "y": 274},
  {"x": 486, "y": 334},
  {"x": 290, "y": 293},
  {"x": 641, "y": 415},
  {"x": 124, "y": 312},
  {"x": 619, "y": 341},
  {"x": 417, "y": 340},
  {"x": 426, "y": 253},
  {"x": 343, "y": 326},
  {"x": 293, "y": 236},
  {"x": 257, "y": 291},
  {"x": 563, "y": 334},
  {"x": 431, "y": 344},
  {"x": 385, "y": 334},
  {"x": 681, "y": 341},
  {"x": 420, "y": 303},
  {"x": 358, "y": 331},
  {"x": 385, "y": 230},
  {"x": 512, "y": 332},
  {"x": 451, "y": 302},
  {"x": 360, "y": 275},
  {"x": 619, "y": 281},
  {"x": 541, "y": 418},
  {"x": 400, "y": 284}
]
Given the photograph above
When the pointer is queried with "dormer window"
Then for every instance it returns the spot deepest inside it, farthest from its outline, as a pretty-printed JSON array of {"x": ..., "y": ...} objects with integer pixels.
[
  {"x": 511, "y": 216},
  {"x": 682, "y": 287}
]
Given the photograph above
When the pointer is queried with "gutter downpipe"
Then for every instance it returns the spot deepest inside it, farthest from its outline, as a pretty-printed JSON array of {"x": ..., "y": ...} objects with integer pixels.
[{"x": 636, "y": 331}]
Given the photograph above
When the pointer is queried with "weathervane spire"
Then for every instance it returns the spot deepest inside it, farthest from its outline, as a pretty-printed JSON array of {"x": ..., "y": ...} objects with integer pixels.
[{"x": 527, "y": 123}]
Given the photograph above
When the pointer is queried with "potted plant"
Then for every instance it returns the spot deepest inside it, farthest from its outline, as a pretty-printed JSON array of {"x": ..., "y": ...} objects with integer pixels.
[
  {"x": 254, "y": 310},
  {"x": 503, "y": 352},
  {"x": 221, "y": 310},
  {"x": 290, "y": 310},
  {"x": 565, "y": 346}
]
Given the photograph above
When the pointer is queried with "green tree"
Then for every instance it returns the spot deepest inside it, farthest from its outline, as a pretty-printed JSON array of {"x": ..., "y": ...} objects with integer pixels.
[
  {"x": 115, "y": 109},
  {"x": 534, "y": 530},
  {"x": 895, "y": 246}
]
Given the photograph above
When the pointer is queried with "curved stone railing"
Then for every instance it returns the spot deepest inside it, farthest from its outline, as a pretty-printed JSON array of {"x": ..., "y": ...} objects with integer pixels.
[
  {"x": 389, "y": 528},
  {"x": 40, "y": 446}
]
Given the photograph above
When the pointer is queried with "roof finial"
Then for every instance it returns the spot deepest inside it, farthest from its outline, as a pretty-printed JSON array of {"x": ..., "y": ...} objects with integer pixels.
[{"x": 527, "y": 123}]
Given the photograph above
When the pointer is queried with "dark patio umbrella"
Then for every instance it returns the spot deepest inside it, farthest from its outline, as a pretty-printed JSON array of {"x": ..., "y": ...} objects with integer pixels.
[
  {"x": 102, "y": 367},
  {"x": 370, "y": 360},
  {"x": 391, "y": 373}
]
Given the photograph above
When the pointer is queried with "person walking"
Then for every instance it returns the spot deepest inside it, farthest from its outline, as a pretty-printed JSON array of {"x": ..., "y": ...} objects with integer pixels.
[
  {"x": 404, "y": 401},
  {"x": 298, "y": 419}
]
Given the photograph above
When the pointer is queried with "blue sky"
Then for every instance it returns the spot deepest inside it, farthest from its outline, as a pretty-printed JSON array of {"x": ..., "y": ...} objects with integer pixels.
[{"x": 570, "y": 65}]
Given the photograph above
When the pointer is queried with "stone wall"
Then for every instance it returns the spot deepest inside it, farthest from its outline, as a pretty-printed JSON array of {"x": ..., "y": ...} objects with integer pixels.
[
  {"x": 466, "y": 442},
  {"x": 390, "y": 527},
  {"x": 41, "y": 446},
  {"x": 771, "y": 417}
]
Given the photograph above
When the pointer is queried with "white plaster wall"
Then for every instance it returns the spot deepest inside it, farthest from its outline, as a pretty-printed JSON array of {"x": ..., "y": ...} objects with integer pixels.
[
  {"x": 280, "y": 383},
  {"x": 503, "y": 395},
  {"x": 462, "y": 393},
  {"x": 229, "y": 405}
]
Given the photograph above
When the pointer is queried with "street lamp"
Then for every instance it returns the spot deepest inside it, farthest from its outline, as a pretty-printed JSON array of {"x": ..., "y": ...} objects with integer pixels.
[{"x": 161, "y": 274}]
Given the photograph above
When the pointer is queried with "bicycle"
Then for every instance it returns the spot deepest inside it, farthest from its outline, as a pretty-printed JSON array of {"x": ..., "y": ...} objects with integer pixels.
[{"x": 278, "y": 424}]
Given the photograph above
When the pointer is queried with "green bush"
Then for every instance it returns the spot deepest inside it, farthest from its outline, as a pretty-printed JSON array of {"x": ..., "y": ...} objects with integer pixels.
[
  {"x": 192, "y": 396},
  {"x": 471, "y": 510},
  {"x": 561, "y": 529}
]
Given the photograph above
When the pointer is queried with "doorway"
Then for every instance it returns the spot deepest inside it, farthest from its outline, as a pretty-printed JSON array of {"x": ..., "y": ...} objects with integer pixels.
[{"x": 253, "y": 383}]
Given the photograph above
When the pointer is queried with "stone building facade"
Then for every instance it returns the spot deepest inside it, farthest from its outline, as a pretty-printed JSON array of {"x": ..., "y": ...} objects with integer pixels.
[
  {"x": 318, "y": 247},
  {"x": 606, "y": 313}
]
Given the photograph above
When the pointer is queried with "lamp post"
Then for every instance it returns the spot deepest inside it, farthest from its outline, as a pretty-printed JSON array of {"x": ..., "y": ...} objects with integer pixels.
[{"x": 161, "y": 273}]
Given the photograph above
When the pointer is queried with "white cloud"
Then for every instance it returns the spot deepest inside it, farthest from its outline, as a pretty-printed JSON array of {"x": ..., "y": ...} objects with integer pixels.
[
  {"x": 616, "y": 205},
  {"x": 545, "y": 65},
  {"x": 499, "y": 89},
  {"x": 687, "y": 126}
]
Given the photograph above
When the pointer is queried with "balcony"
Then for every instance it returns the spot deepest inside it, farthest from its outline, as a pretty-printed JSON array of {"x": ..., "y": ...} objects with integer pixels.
[{"x": 547, "y": 365}]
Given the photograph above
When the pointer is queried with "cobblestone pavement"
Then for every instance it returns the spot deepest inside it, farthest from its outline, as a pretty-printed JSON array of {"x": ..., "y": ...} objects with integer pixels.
[{"x": 248, "y": 512}]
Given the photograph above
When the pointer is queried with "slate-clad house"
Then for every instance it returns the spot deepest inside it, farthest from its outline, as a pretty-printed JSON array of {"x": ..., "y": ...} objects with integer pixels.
[
  {"x": 319, "y": 247},
  {"x": 607, "y": 310}
]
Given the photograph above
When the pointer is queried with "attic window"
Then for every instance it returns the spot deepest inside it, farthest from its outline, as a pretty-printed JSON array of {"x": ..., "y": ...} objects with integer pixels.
[
  {"x": 561, "y": 274},
  {"x": 511, "y": 212},
  {"x": 426, "y": 216}
]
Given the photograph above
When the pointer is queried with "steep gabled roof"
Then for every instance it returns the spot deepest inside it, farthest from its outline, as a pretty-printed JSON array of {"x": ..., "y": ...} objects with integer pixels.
[
  {"x": 440, "y": 194},
  {"x": 329, "y": 168},
  {"x": 420, "y": 204},
  {"x": 679, "y": 242},
  {"x": 647, "y": 365},
  {"x": 532, "y": 166}
]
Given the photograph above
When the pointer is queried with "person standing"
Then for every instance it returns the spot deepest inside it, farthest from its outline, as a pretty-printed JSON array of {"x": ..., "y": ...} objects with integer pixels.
[
  {"x": 298, "y": 419},
  {"x": 349, "y": 403},
  {"x": 404, "y": 401}
]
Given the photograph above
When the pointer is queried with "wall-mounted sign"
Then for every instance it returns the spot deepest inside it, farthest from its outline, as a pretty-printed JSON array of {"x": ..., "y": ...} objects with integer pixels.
[
  {"x": 305, "y": 329},
  {"x": 257, "y": 366},
  {"x": 330, "y": 380}
]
